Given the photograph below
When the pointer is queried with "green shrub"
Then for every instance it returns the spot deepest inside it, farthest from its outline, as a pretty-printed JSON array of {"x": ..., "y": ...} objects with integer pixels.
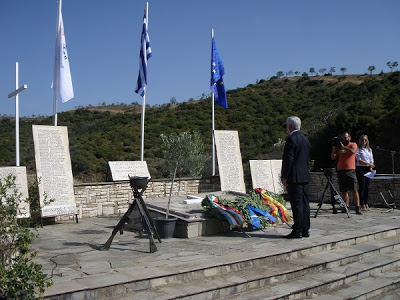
[{"x": 20, "y": 277}]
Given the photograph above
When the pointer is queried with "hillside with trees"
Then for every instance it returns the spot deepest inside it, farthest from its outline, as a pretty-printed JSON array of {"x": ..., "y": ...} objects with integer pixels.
[{"x": 327, "y": 105}]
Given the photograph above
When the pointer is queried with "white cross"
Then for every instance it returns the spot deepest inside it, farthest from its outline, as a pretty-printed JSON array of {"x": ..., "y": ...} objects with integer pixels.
[{"x": 15, "y": 93}]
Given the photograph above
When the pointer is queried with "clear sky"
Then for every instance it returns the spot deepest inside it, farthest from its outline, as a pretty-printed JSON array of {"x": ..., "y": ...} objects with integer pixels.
[{"x": 255, "y": 38}]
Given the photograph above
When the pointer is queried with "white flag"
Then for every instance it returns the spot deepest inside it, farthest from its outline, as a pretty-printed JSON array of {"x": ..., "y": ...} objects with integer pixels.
[{"x": 62, "y": 81}]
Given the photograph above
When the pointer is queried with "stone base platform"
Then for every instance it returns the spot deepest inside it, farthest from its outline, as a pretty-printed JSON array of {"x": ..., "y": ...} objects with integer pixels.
[{"x": 192, "y": 221}]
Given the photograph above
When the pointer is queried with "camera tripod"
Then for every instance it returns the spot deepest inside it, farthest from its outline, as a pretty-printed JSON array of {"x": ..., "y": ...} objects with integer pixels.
[
  {"x": 146, "y": 220},
  {"x": 334, "y": 194}
]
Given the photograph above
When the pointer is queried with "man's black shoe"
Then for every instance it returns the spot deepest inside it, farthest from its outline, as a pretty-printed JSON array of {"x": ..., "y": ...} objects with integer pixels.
[
  {"x": 305, "y": 234},
  {"x": 292, "y": 236}
]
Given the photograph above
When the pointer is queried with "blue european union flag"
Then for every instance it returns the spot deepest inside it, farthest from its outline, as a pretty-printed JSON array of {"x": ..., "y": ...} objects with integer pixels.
[{"x": 217, "y": 82}]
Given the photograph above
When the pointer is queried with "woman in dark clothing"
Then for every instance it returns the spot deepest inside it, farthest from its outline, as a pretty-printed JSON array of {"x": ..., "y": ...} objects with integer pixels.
[{"x": 364, "y": 164}]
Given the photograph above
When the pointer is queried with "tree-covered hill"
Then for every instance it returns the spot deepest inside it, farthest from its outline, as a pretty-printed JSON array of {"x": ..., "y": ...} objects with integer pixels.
[{"x": 327, "y": 105}]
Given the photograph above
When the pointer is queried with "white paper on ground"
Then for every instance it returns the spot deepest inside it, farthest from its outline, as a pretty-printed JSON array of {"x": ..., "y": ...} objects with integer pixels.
[{"x": 191, "y": 199}]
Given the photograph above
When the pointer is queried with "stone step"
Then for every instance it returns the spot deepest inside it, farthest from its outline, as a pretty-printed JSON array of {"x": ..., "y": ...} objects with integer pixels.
[
  {"x": 372, "y": 287},
  {"x": 294, "y": 274},
  {"x": 389, "y": 294},
  {"x": 362, "y": 279}
]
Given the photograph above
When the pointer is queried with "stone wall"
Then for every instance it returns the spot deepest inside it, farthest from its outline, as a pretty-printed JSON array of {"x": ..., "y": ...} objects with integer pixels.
[{"x": 108, "y": 198}]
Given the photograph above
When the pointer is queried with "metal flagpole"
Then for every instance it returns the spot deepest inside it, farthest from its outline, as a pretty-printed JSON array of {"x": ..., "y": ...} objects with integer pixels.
[
  {"x": 16, "y": 94},
  {"x": 142, "y": 128},
  {"x": 212, "y": 116},
  {"x": 56, "y": 64},
  {"x": 143, "y": 98}
]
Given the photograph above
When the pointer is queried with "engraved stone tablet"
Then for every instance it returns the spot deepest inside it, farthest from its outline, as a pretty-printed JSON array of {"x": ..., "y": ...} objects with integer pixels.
[
  {"x": 266, "y": 174},
  {"x": 54, "y": 171},
  {"x": 261, "y": 175},
  {"x": 276, "y": 166},
  {"x": 229, "y": 161},
  {"x": 21, "y": 185},
  {"x": 121, "y": 170}
]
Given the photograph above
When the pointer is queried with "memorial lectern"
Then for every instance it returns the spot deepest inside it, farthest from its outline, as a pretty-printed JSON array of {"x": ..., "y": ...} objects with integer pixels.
[{"x": 137, "y": 183}]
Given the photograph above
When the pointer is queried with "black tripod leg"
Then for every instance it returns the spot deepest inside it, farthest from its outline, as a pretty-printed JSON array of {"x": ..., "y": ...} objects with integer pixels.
[
  {"x": 120, "y": 226},
  {"x": 333, "y": 202},
  {"x": 339, "y": 199},
  {"x": 322, "y": 199},
  {"x": 342, "y": 204},
  {"x": 150, "y": 219},
  {"x": 153, "y": 247},
  {"x": 147, "y": 225},
  {"x": 152, "y": 244}
]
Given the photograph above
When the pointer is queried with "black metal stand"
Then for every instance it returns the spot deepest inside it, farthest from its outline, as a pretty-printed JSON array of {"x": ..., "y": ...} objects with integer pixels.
[
  {"x": 335, "y": 196},
  {"x": 147, "y": 222},
  {"x": 391, "y": 206},
  {"x": 392, "y": 152}
]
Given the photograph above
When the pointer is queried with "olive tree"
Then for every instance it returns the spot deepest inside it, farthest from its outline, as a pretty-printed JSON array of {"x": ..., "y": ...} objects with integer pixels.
[
  {"x": 185, "y": 149},
  {"x": 184, "y": 154},
  {"x": 392, "y": 65},
  {"x": 371, "y": 69}
]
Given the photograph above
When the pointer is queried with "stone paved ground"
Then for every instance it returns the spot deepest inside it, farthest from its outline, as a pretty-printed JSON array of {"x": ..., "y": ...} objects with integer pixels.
[{"x": 70, "y": 252}]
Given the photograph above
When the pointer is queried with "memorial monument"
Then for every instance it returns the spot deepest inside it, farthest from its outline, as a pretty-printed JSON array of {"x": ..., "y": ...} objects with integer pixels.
[
  {"x": 266, "y": 174},
  {"x": 21, "y": 185},
  {"x": 229, "y": 161},
  {"x": 121, "y": 170},
  {"x": 54, "y": 171}
]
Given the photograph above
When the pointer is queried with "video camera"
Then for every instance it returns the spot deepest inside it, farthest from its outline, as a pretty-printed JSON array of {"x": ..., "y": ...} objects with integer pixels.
[{"x": 337, "y": 140}]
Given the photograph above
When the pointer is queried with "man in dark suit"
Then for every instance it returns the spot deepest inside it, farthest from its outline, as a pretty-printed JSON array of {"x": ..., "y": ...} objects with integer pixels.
[{"x": 296, "y": 176}]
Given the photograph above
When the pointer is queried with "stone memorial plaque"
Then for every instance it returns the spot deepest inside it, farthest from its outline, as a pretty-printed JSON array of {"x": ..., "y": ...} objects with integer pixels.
[
  {"x": 54, "y": 171},
  {"x": 121, "y": 170},
  {"x": 276, "y": 166},
  {"x": 21, "y": 185},
  {"x": 266, "y": 174},
  {"x": 261, "y": 174},
  {"x": 229, "y": 161}
]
